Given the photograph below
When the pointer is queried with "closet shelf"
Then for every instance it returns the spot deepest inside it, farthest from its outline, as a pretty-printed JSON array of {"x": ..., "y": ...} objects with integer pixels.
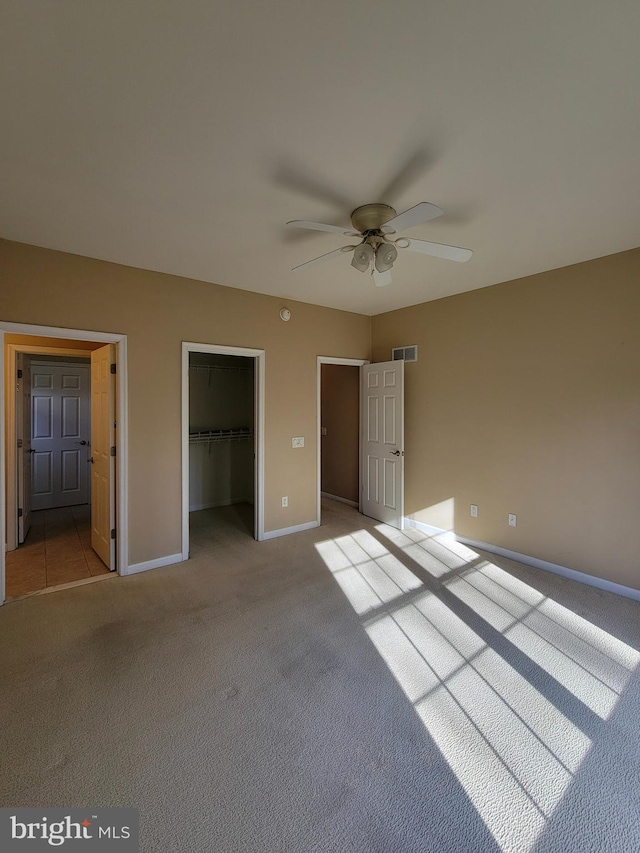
[
  {"x": 217, "y": 367},
  {"x": 212, "y": 435}
]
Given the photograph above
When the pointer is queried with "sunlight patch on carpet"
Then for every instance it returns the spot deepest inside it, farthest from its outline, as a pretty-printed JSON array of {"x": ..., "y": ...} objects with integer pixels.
[
  {"x": 367, "y": 573},
  {"x": 512, "y": 750}
]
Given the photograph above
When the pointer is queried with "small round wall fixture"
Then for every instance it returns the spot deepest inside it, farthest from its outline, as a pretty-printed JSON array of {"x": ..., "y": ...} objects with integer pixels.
[{"x": 285, "y": 314}]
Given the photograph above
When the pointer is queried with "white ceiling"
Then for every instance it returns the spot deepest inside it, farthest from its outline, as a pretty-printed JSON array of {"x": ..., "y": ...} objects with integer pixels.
[{"x": 180, "y": 135}]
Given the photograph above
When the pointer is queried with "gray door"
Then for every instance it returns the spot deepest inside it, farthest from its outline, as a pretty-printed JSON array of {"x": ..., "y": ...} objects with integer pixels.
[{"x": 60, "y": 434}]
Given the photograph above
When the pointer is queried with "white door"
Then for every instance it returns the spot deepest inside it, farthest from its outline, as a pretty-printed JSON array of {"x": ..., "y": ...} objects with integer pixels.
[
  {"x": 382, "y": 470},
  {"x": 103, "y": 455},
  {"x": 23, "y": 431},
  {"x": 59, "y": 434}
]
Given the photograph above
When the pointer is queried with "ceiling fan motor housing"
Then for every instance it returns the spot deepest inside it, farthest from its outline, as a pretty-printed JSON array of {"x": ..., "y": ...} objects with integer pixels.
[{"x": 371, "y": 217}]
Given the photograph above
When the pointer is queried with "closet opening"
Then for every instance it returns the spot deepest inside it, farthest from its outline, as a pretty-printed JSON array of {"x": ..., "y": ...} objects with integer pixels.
[{"x": 221, "y": 443}]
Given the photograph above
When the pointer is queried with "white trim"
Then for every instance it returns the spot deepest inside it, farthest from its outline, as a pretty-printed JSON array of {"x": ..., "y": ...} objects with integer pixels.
[
  {"x": 353, "y": 362},
  {"x": 285, "y": 531},
  {"x": 553, "y": 568},
  {"x": 338, "y": 498},
  {"x": 259, "y": 373},
  {"x": 122, "y": 464},
  {"x": 57, "y": 332},
  {"x": 158, "y": 563},
  {"x": 426, "y": 528}
]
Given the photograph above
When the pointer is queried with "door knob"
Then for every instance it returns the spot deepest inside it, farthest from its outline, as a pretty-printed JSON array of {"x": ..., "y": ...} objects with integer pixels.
[
  {"x": 81, "y": 442},
  {"x": 394, "y": 452},
  {"x": 90, "y": 459}
]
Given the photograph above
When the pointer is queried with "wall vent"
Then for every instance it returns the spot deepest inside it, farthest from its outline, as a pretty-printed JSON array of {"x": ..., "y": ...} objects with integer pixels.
[{"x": 405, "y": 353}]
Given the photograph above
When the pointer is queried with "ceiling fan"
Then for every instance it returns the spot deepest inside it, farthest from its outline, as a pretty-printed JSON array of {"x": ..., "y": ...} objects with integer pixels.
[{"x": 377, "y": 251}]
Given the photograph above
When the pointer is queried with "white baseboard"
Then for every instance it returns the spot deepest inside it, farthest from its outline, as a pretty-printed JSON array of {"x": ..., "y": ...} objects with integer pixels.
[
  {"x": 169, "y": 560},
  {"x": 338, "y": 498},
  {"x": 554, "y": 568},
  {"x": 427, "y": 528},
  {"x": 285, "y": 531}
]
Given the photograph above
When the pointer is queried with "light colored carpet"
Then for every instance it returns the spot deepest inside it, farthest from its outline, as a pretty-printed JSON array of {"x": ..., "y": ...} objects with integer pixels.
[{"x": 345, "y": 689}]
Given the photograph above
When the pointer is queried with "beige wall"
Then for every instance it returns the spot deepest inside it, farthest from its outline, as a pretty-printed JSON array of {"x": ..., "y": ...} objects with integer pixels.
[
  {"x": 157, "y": 312},
  {"x": 526, "y": 399},
  {"x": 340, "y": 399}
]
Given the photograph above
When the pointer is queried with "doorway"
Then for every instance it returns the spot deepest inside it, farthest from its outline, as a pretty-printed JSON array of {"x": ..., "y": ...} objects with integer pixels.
[
  {"x": 379, "y": 399},
  {"x": 222, "y": 444},
  {"x": 71, "y": 508},
  {"x": 338, "y": 441},
  {"x": 53, "y": 409}
]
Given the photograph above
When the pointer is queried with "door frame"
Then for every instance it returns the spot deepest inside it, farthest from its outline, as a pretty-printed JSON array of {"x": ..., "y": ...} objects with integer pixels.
[
  {"x": 122, "y": 468},
  {"x": 349, "y": 362},
  {"x": 258, "y": 355}
]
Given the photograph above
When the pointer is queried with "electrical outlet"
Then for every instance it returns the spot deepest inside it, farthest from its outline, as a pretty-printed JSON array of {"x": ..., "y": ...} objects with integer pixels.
[
  {"x": 285, "y": 501},
  {"x": 513, "y": 518},
  {"x": 474, "y": 510},
  {"x": 297, "y": 442},
  {"x": 323, "y": 430}
]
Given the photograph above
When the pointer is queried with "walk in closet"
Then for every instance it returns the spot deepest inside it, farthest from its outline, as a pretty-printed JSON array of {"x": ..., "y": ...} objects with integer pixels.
[{"x": 221, "y": 430}]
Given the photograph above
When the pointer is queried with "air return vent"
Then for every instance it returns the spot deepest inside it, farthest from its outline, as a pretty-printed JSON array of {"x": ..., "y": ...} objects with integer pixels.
[{"x": 405, "y": 353}]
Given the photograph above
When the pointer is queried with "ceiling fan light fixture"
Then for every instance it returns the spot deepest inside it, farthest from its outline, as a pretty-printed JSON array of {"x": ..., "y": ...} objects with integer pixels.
[
  {"x": 385, "y": 257},
  {"x": 362, "y": 257},
  {"x": 377, "y": 253}
]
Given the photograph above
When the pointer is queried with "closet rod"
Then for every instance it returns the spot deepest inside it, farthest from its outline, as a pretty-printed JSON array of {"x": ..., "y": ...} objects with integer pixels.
[{"x": 213, "y": 435}]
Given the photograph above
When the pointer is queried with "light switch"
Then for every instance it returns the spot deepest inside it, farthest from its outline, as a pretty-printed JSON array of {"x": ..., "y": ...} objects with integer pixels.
[
  {"x": 323, "y": 430},
  {"x": 297, "y": 442}
]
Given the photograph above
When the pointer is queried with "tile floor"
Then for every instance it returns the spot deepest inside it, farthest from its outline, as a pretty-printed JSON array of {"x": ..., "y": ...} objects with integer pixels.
[{"x": 57, "y": 550}]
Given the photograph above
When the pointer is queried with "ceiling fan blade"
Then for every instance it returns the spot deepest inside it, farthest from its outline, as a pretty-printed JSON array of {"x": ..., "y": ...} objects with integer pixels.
[
  {"x": 322, "y": 258},
  {"x": 382, "y": 278},
  {"x": 297, "y": 177},
  {"x": 422, "y": 212},
  {"x": 439, "y": 250},
  {"x": 406, "y": 175},
  {"x": 321, "y": 226}
]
